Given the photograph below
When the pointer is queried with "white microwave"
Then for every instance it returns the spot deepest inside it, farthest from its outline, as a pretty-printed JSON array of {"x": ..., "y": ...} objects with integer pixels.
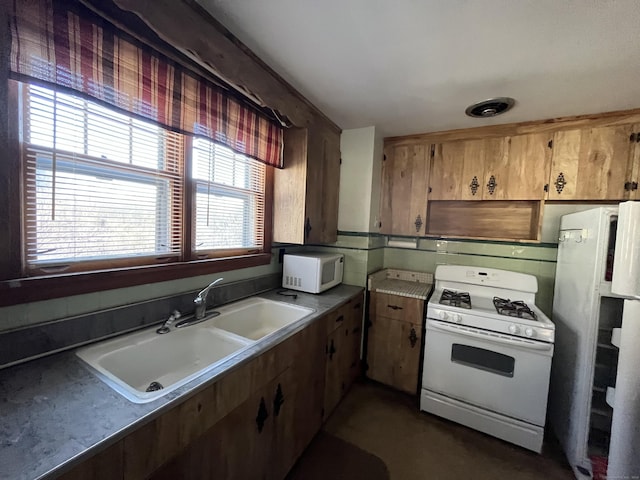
[{"x": 312, "y": 272}]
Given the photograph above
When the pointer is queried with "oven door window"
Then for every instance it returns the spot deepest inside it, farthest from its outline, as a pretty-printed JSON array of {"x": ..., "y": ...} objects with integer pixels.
[{"x": 483, "y": 359}]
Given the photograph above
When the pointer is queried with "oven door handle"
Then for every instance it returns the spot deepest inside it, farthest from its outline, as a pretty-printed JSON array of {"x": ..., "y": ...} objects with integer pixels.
[{"x": 505, "y": 341}]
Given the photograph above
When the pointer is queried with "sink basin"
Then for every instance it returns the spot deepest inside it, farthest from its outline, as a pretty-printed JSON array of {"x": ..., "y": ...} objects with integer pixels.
[
  {"x": 145, "y": 365},
  {"x": 133, "y": 363},
  {"x": 258, "y": 317}
]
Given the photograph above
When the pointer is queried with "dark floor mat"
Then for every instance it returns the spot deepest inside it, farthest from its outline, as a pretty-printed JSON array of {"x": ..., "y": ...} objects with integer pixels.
[{"x": 329, "y": 457}]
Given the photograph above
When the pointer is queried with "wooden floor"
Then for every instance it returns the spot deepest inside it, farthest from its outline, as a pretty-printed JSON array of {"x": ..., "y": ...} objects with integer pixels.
[{"x": 420, "y": 446}]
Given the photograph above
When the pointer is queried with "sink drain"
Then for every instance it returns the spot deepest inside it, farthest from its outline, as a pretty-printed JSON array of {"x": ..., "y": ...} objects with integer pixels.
[{"x": 154, "y": 387}]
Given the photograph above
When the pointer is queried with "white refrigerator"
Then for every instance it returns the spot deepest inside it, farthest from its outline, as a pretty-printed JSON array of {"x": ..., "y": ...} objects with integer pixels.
[{"x": 594, "y": 399}]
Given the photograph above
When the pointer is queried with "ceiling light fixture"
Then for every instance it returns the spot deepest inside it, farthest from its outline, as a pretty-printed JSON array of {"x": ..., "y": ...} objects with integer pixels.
[{"x": 490, "y": 108}]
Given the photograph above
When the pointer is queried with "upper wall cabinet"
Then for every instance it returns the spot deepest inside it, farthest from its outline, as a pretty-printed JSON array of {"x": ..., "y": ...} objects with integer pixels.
[
  {"x": 305, "y": 206},
  {"x": 405, "y": 173},
  {"x": 499, "y": 168},
  {"x": 593, "y": 164},
  {"x": 522, "y": 173}
]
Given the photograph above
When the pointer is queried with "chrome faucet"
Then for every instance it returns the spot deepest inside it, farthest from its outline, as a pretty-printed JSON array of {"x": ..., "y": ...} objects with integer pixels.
[
  {"x": 201, "y": 299},
  {"x": 166, "y": 326}
]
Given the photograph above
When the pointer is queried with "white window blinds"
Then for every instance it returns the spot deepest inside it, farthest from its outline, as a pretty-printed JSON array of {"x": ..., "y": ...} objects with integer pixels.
[
  {"x": 99, "y": 185},
  {"x": 229, "y": 198}
]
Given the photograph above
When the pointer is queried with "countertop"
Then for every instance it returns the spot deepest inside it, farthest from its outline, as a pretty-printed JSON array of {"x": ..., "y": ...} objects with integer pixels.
[
  {"x": 404, "y": 283},
  {"x": 54, "y": 412}
]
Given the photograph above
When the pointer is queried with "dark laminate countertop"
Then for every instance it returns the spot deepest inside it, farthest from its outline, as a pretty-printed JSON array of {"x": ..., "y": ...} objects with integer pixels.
[{"x": 54, "y": 412}]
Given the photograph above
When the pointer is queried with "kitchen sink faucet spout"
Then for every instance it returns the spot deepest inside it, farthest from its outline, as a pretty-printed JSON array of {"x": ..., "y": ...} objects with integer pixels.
[{"x": 201, "y": 299}]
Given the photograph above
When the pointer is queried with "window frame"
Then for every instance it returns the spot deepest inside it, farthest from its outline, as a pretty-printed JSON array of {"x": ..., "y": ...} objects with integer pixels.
[{"x": 16, "y": 287}]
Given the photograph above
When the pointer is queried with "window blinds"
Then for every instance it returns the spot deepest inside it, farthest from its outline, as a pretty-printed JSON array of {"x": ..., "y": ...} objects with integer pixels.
[{"x": 99, "y": 184}]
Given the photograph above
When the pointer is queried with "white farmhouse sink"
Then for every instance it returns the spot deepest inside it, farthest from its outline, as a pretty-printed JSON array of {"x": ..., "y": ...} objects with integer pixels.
[
  {"x": 134, "y": 363},
  {"x": 258, "y": 317}
]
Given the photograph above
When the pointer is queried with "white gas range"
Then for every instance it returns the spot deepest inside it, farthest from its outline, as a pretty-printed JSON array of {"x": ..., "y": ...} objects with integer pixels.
[{"x": 488, "y": 352}]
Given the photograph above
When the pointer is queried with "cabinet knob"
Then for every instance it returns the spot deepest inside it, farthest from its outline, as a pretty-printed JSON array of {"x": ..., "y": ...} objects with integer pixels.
[
  {"x": 262, "y": 416},
  {"x": 491, "y": 185},
  {"x": 278, "y": 400},
  {"x": 418, "y": 223},
  {"x": 307, "y": 228},
  {"x": 474, "y": 185},
  {"x": 413, "y": 337},
  {"x": 560, "y": 183}
]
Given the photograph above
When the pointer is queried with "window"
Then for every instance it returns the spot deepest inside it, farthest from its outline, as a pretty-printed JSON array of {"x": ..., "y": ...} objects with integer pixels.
[{"x": 103, "y": 189}]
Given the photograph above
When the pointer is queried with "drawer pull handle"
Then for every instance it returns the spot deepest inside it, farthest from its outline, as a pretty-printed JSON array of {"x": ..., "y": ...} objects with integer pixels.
[
  {"x": 394, "y": 307},
  {"x": 413, "y": 338},
  {"x": 340, "y": 319}
]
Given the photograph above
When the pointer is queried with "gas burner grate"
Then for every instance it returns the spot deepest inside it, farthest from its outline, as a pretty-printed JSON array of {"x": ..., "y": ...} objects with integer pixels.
[
  {"x": 455, "y": 299},
  {"x": 516, "y": 308}
]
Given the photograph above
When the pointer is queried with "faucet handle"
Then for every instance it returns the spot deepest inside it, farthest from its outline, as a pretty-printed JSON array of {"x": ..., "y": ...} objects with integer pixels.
[{"x": 176, "y": 314}]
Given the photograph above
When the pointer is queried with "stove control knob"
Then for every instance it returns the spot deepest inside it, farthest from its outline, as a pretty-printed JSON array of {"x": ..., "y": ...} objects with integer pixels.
[
  {"x": 443, "y": 315},
  {"x": 514, "y": 329},
  {"x": 529, "y": 332},
  {"x": 457, "y": 317}
]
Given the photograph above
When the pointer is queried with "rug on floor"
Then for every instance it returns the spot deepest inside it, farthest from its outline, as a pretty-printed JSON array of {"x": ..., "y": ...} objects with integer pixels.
[{"x": 329, "y": 457}]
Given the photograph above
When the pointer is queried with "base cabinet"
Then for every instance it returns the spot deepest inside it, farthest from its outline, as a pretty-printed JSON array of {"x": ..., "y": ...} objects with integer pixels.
[
  {"x": 342, "y": 364},
  {"x": 253, "y": 423},
  {"x": 394, "y": 341}
]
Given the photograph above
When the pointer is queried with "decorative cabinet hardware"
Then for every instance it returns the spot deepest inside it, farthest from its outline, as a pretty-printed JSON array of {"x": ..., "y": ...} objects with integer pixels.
[
  {"x": 630, "y": 186},
  {"x": 546, "y": 187},
  {"x": 413, "y": 338},
  {"x": 560, "y": 183},
  {"x": 394, "y": 307},
  {"x": 331, "y": 350},
  {"x": 418, "y": 223},
  {"x": 474, "y": 185},
  {"x": 491, "y": 185},
  {"x": 550, "y": 144},
  {"x": 340, "y": 319},
  {"x": 278, "y": 400},
  {"x": 307, "y": 228},
  {"x": 262, "y": 416},
  {"x": 430, "y": 190},
  {"x": 634, "y": 137}
]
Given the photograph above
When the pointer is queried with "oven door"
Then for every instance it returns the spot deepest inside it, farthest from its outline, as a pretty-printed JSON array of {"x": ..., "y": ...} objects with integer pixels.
[{"x": 504, "y": 374}]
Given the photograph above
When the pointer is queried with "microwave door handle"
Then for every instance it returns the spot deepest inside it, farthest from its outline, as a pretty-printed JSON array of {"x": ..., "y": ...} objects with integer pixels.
[{"x": 491, "y": 338}]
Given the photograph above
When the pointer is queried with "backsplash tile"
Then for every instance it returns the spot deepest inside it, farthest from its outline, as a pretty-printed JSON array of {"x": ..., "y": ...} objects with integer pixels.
[{"x": 22, "y": 344}]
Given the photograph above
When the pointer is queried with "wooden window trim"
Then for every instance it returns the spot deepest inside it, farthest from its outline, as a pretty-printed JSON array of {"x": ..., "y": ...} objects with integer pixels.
[{"x": 15, "y": 288}]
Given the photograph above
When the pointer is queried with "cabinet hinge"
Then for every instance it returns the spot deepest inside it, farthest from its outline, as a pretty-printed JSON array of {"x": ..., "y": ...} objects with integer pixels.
[
  {"x": 430, "y": 190},
  {"x": 546, "y": 187},
  {"x": 384, "y": 158},
  {"x": 433, "y": 150},
  {"x": 633, "y": 137},
  {"x": 630, "y": 186},
  {"x": 341, "y": 161},
  {"x": 550, "y": 144}
]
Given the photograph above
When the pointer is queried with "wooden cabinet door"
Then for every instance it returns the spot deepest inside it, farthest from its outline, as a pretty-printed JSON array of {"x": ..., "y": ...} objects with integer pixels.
[
  {"x": 243, "y": 445},
  {"x": 308, "y": 378},
  {"x": 405, "y": 174},
  {"x": 322, "y": 187},
  {"x": 590, "y": 164},
  {"x": 106, "y": 465},
  {"x": 340, "y": 356},
  {"x": 518, "y": 168},
  {"x": 393, "y": 353},
  {"x": 457, "y": 170}
]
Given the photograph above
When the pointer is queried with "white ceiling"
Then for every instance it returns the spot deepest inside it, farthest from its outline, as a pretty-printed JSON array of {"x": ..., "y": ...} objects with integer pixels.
[{"x": 413, "y": 66}]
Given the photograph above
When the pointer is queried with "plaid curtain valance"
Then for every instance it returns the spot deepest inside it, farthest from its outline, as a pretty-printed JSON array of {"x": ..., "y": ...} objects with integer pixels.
[{"x": 75, "y": 49}]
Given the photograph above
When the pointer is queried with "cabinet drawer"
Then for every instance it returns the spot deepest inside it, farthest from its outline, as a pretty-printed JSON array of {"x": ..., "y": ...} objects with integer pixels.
[
  {"x": 400, "y": 308},
  {"x": 344, "y": 314}
]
